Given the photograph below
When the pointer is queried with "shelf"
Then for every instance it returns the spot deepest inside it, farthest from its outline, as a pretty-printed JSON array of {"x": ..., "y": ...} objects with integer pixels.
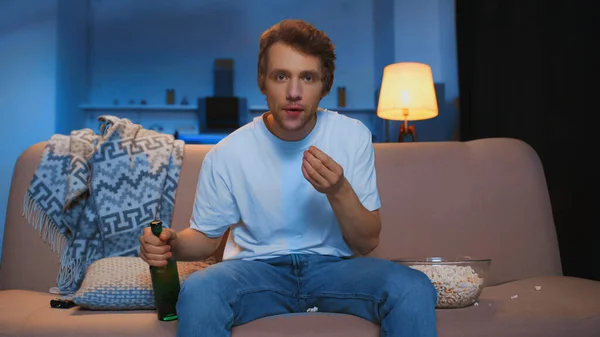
[
  {"x": 191, "y": 107},
  {"x": 138, "y": 107},
  {"x": 258, "y": 108}
]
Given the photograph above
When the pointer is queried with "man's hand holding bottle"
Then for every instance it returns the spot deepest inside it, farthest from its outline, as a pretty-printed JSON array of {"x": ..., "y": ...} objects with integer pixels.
[{"x": 156, "y": 250}]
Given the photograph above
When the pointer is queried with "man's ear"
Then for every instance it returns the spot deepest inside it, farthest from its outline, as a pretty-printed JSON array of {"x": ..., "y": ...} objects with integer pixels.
[
  {"x": 325, "y": 92},
  {"x": 261, "y": 86}
]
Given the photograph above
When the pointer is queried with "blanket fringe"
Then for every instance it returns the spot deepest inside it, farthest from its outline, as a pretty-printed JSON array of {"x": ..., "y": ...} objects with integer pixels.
[
  {"x": 41, "y": 222},
  {"x": 68, "y": 273},
  {"x": 70, "y": 268}
]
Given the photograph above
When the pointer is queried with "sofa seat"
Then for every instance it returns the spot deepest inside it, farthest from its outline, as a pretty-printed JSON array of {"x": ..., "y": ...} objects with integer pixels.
[
  {"x": 27, "y": 313},
  {"x": 563, "y": 306}
]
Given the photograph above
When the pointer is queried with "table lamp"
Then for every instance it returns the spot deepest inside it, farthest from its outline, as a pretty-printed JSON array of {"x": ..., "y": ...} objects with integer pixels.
[{"x": 407, "y": 94}]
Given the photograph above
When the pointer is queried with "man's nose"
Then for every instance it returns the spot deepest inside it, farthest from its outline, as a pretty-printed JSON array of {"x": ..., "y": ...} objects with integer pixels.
[{"x": 294, "y": 90}]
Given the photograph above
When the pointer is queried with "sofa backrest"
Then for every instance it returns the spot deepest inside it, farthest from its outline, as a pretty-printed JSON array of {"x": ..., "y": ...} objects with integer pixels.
[{"x": 485, "y": 198}]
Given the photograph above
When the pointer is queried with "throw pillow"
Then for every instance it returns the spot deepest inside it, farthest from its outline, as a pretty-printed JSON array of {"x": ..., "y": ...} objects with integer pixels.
[{"x": 124, "y": 283}]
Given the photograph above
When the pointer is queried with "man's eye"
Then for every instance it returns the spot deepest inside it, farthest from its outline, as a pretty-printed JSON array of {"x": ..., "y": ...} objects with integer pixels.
[
  {"x": 280, "y": 77},
  {"x": 308, "y": 78}
]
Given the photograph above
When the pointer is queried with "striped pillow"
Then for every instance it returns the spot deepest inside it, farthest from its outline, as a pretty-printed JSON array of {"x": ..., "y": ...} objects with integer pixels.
[{"x": 124, "y": 283}]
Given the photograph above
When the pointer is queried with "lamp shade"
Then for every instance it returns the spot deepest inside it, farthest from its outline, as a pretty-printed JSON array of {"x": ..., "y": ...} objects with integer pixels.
[{"x": 407, "y": 92}]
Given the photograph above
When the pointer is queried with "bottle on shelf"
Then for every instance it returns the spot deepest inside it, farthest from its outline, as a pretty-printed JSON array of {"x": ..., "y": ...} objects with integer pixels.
[
  {"x": 170, "y": 96},
  {"x": 165, "y": 283},
  {"x": 341, "y": 96}
]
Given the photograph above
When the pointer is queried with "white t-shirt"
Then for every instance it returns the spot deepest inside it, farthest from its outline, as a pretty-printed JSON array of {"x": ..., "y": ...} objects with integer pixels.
[{"x": 252, "y": 181}]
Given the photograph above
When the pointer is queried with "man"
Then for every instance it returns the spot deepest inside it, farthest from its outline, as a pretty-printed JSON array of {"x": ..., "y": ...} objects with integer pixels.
[{"x": 297, "y": 186}]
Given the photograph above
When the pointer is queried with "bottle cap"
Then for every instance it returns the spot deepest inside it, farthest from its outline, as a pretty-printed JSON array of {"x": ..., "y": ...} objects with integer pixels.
[{"x": 156, "y": 227}]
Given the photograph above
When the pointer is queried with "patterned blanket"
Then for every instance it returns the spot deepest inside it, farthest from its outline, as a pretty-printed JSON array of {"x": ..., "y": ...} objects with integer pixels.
[{"x": 92, "y": 195}]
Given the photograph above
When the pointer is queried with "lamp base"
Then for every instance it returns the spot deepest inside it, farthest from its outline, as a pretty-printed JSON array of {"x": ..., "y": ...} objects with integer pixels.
[{"x": 406, "y": 130}]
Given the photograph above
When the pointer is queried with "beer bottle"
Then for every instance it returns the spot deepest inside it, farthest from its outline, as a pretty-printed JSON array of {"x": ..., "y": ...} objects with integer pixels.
[{"x": 165, "y": 283}]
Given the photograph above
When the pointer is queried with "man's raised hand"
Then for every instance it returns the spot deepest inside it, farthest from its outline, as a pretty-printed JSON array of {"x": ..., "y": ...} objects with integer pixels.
[{"x": 321, "y": 171}]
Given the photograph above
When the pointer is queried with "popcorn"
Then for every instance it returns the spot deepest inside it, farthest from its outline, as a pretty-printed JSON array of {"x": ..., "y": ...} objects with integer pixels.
[
  {"x": 457, "y": 286},
  {"x": 313, "y": 309}
]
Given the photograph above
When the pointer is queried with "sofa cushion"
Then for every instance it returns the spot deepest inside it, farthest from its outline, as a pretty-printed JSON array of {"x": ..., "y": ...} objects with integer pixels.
[{"x": 124, "y": 283}]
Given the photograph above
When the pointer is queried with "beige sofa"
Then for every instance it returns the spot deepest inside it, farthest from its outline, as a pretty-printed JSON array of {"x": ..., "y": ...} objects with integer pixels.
[{"x": 484, "y": 198}]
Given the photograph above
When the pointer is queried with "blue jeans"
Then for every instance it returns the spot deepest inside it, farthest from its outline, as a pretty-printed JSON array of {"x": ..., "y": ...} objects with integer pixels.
[{"x": 400, "y": 299}]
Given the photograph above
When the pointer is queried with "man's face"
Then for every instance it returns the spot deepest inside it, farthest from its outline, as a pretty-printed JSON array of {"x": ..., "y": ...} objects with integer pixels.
[{"x": 293, "y": 88}]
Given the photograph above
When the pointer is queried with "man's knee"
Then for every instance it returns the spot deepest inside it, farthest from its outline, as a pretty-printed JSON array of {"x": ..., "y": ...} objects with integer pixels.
[
  {"x": 199, "y": 280},
  {"x": 412, "y": 284},
  {"x": 424, "y": 287},
  {"x": 203, "y": 286}
]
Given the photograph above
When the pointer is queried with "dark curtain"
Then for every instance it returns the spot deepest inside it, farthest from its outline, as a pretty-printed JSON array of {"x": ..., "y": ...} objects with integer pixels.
[{"x": 529, "y": 70}]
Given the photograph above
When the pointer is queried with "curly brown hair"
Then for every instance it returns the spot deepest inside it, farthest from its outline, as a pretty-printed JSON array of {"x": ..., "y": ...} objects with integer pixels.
[{"x": 303, "y": 37}]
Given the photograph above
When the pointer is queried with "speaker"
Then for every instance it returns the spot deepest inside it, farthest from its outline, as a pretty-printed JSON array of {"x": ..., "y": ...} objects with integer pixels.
[
  {"x": 221, "y": 114},
  {"x": 223, "y": 78}
]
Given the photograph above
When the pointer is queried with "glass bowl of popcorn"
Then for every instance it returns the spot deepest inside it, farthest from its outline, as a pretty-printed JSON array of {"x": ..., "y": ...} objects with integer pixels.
[{"x": 458, "y": 281}]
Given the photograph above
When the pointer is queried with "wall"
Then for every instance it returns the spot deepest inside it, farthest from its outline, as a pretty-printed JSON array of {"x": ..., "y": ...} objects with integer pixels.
[
  {"x": 142, "y": 48},
  {"x": 385, "y": 51},
  {"x": 44, "y": 78},
  {"x": 72, "y": 48},
  {"x": 27, "y": 83},
  {"x": 424, "y": 32}
]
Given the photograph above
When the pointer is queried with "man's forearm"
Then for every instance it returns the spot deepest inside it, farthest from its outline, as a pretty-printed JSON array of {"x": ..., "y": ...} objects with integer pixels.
[
  {"x": 191, "y": 245},
  {"x": 360, "y": 227}
]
